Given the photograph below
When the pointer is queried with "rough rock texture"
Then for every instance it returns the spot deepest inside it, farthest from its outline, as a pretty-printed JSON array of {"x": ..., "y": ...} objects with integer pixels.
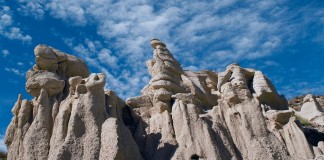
[
  {"x": 71, "y": 116},
  {"x": 52, "y": 69},
  {"x": 180, "y": 114},
  {"x": 49, "y": 81}
]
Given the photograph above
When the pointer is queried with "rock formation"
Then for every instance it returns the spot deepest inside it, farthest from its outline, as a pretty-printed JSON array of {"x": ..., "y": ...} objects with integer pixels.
[
  {"x": 310, "y": 108},
  {"x": 71, "y": 116},
  {"x": 180, "y": 114}
]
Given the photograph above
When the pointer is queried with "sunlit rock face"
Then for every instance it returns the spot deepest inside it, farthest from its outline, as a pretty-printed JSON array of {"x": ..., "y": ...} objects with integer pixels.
[
  {"x": 71, "y": 115},
  {"x": 180, "y": 114}
]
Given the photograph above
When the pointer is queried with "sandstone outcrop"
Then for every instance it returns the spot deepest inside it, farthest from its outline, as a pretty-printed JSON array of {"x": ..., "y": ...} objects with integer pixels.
[{"x": 180, "y": 114}]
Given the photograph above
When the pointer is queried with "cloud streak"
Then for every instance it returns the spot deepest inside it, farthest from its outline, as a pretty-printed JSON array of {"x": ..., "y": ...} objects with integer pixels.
[
  {"x": 3, "y": 147},
  {"x": 5, "y": 52},
  {"x": 215, "y": 32},
  {"x": 15, "y": 71},
  {"x": 253, "y": 31},
  {"x": 120, "y": 76}
]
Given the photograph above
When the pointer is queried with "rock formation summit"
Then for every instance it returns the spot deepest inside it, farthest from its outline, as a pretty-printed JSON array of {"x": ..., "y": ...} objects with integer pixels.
[{"x": 180, "y": 114}]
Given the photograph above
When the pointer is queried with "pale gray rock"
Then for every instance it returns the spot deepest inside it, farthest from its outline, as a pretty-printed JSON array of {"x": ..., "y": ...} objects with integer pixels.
[
  {"x": 278, "y": 119},
  {"x": 49, "y": 81},
  {"x": 36, "y": 141},
  {"x": 144, "y": 100},
  {"x": 53, "y": 60},
  {"x": 82, "y": 139},
  {"x": 46, "y": 58},
  {"x": 65, "y": 119},
  {"x": 169, "y": 78},
  {"x": 236, "y": 114},
  {"x": 117, "y": 148},
  {"x": 317, "y": 151},
  {"x": 17, "y": 129},
  {"x": 248, "y": 129},
  {"x": 296, "y": 142},
  {"x": 247, "y": 82},
  {"x": 266, "y": 92},
  {"x": 311, "y": 110},
  {"x": 194, "y": 134}
]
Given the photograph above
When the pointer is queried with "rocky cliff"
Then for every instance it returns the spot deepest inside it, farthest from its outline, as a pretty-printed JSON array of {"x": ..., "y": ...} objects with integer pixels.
[{"x": 180, "y": 114}]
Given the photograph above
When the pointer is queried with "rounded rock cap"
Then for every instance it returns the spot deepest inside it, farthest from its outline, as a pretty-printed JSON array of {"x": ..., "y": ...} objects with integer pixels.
[{"x": 155, "y": 42}]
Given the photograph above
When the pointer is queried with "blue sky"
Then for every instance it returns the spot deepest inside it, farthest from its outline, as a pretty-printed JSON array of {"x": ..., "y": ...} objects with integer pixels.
[{"x": 285, "y": 40}]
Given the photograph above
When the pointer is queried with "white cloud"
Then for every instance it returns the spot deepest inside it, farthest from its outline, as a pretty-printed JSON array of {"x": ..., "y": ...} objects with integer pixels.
[
  {"x": 33, "y": 8},
  {"x": 15, "y": 71},
  {"x": 16, "y": 33},
  {"x": 130, "y": 24},
  {"x": 5, "y": 52},
  {"x": 302, "y": 88},
  {"x": 191, "y": 68},
  {"x": 215, "y": 32},
  {"x": 271, "y": 63},
  {"x": 72, "y": 11},
  {"x": 104, "y": 56},
  {"x": 3, "y": 147},
  {"x": 8, "y": 28},
  {"x": 120, "y": 76}
]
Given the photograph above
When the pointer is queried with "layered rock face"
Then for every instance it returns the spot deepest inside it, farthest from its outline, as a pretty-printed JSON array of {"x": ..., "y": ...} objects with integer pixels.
[{"x": 180, "y": 114}]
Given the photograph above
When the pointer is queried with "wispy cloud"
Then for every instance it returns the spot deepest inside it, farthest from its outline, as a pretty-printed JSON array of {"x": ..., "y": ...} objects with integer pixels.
[
  {"x": 215, "y": 32},
  {"x": 3, "y": 147},
  {"x": 15, "y": 71},
  {"x": 32, "y": 8},
  {"x": 253, "y": 31},
  {"x": 8, "y": 28},
  {"x": 302, "y": 88},
  {"x": 20, "y": 63},
  {"x": 5, "y": 52},
  {"x": 120, "y": 76}
]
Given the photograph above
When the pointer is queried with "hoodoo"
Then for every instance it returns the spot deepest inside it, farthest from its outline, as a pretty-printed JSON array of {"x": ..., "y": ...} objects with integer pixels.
[{"x": 180, "y": 114}]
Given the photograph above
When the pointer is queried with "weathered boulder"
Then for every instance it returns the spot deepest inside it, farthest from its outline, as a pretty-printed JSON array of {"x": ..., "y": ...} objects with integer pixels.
[
  {"x": 49, "y": 81},
  {"x": 52, "y": 71},
  {"x": 53, "y": 60}
]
